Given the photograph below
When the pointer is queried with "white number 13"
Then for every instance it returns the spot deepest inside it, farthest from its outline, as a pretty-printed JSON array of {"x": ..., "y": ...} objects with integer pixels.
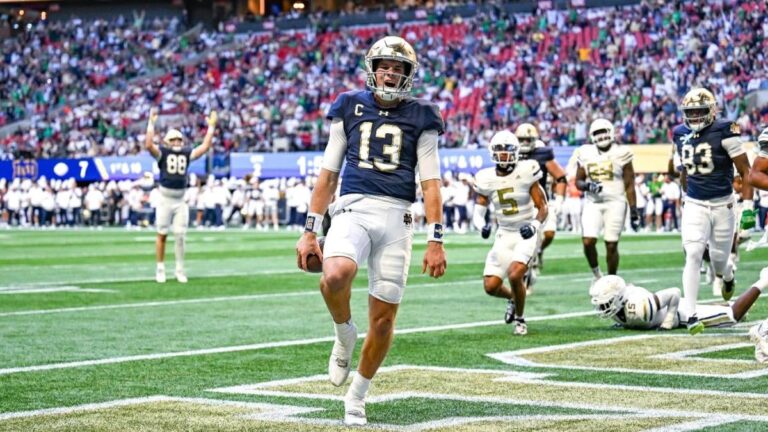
[{"x": 391, "y": 150}]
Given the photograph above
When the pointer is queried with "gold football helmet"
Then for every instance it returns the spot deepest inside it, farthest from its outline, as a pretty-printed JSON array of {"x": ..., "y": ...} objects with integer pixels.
[
  {"x": 392, "y": 48},
  {"x": 527, "y": 135},
  {"x": 699, "y": 109}
]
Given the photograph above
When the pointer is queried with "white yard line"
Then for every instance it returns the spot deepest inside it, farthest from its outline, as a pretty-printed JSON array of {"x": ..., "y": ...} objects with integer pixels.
[
  {"x": 211, "y": 299},
  {"x": 260, "y": 346},
  {"x": 49, "y": 289}
]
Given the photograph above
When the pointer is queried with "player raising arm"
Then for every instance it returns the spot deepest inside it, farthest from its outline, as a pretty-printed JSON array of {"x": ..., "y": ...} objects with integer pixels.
[{"x": 173, "y": 160}]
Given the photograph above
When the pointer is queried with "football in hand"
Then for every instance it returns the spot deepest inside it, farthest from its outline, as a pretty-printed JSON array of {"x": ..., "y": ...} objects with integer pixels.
[{"x": 314, "y": 265}]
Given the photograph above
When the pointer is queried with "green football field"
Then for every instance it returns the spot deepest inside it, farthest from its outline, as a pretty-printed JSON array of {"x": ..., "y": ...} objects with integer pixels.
[{"x": 88, "y": 341}]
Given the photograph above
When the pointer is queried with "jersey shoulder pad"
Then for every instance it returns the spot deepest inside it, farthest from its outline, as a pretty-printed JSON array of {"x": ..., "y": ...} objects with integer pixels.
[
  {"x": 484, "y": 181},
  {"x": 680, "y": 130},
  {"x": 546, "y": 153},
  {"x": 530, "y": 167},
  {"x": 340, "y": 105},
  {"x": 586, "y": 153},
  {"x": 624, "y": 155},
  {"x": 429, "y": 115}
]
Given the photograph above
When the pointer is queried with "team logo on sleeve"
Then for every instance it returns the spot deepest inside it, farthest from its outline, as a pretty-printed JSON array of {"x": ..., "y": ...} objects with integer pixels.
[{"x": 735, "y": 128}]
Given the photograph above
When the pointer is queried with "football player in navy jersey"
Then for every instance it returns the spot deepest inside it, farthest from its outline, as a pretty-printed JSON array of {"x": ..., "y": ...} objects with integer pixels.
[
  {"x": 531, "y": 147},
  {"x": 387, "y": 138},
  {"x": 707, "y": 149},
  {"x": 173, "y": 160}
]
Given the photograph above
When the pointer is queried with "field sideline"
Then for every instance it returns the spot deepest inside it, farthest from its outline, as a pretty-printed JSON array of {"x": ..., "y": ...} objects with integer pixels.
[{"x": 90, "y": 342}]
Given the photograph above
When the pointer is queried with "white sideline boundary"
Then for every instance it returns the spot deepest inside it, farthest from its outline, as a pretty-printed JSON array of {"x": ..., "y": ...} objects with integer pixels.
[{"x": 261, "y": 346}]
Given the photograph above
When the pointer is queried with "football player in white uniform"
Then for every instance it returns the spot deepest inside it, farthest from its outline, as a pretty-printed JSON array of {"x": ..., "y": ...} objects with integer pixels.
[
  {"x": 637, "y": 308},
  {"x": 605, "y": 173},
  {"x": 758, "y": 177},
  {"x": 513, "y": 186}
]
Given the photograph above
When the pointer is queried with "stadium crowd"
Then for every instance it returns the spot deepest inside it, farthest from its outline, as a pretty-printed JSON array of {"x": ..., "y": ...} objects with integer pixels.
[
  {"x": 84, "y": 86},
  {"x": 276, "y": 204}
]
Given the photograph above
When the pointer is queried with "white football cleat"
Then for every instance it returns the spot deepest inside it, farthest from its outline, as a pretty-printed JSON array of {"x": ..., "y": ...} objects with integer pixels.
[
  {"x": 160, "y": 275},
  {"x": 340, "y": 361},
  {"x": 354, "y": 412},
  {"x": 521, "y": 328},
  {"x": 181, "y": 277},
  {"x": 759, "y": 335},
  {"x": 717, "y": 286}
]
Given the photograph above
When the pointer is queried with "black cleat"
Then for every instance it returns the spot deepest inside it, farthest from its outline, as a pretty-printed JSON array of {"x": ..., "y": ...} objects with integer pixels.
[
  {"x": 729, "y": 287},
  {"x": 509, "y": 315}
]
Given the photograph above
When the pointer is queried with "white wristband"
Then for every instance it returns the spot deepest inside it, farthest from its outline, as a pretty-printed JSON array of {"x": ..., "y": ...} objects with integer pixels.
[
  {"x": 748, "y": 205},
  {"x": 314, "y": 222},
  {"x": 536, "y": 225},
  {"x": 435, "y": 232}
]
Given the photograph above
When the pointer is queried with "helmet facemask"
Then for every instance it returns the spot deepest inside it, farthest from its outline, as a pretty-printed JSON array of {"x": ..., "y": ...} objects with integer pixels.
[
  {"x": 608, "y": 296},
  {"x": 698, "y": 117},
  {"x": 602, "y": 138},
  {"x": 401, "y": 84},
  {"x": 527, "y": 144},
  {"x": 397, "y": 85},
  {"x": 505, "y": 155}
]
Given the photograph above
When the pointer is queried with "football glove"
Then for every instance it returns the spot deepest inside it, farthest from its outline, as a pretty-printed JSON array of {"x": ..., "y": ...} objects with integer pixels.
[
  {"x": 153, "y": 114},
  {"x": 529, "y": 230},
  {"x": 212, "y": 118},
  {"x": 634, "y": 219},
  {"x": 594, "y": 187},
  {"x": 486, "y": 231},
  {"x": 747, "y": 219}
]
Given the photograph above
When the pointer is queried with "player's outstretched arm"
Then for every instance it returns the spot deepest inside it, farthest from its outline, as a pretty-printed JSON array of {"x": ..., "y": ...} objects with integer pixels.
[
  {"x": 322, "y": 194},
  {"x": 758, "y": 175},
  {"x": 434, "y": 257},
  {"x": 203, "y": 149},
  {"x": 670, "y": 299},
  {"x": 478, "y": 216},
  {"x": 149, "y": 140}
]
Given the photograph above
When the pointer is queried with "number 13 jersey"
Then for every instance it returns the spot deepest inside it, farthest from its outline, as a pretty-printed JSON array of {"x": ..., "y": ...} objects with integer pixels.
[
  {"x": 707, "y": 156},
  {"x": 381, "y": 151}
]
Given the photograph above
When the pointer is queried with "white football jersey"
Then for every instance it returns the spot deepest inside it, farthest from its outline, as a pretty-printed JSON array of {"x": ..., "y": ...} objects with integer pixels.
[
  {"x": 510, "y": 194},
  {"x": 641, "y": 311},
  {"x": 606, "y": 168}
]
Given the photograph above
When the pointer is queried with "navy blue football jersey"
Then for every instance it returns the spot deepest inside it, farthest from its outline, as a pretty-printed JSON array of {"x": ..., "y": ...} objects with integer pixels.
[
  {"x": 173, "y": 167},
  {"x": 542, "y": 155},
  {"x": 707, "y": 156},
  {"x": 381, "y": 143}
]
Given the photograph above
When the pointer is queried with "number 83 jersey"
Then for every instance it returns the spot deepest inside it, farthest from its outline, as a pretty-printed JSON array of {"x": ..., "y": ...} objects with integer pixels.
[
  {"x": 707, "y": 156},
  {"x": 381, "y": 151}
]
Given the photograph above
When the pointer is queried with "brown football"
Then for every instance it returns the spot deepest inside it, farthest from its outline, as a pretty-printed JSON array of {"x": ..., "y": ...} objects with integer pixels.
[{"x": 314, "y": 265}]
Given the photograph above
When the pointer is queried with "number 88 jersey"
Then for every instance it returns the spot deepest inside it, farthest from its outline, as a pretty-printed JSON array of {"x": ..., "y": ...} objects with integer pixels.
[
  {"x": 707, "y": 157},
  {"x": 174, "y": 164}
]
